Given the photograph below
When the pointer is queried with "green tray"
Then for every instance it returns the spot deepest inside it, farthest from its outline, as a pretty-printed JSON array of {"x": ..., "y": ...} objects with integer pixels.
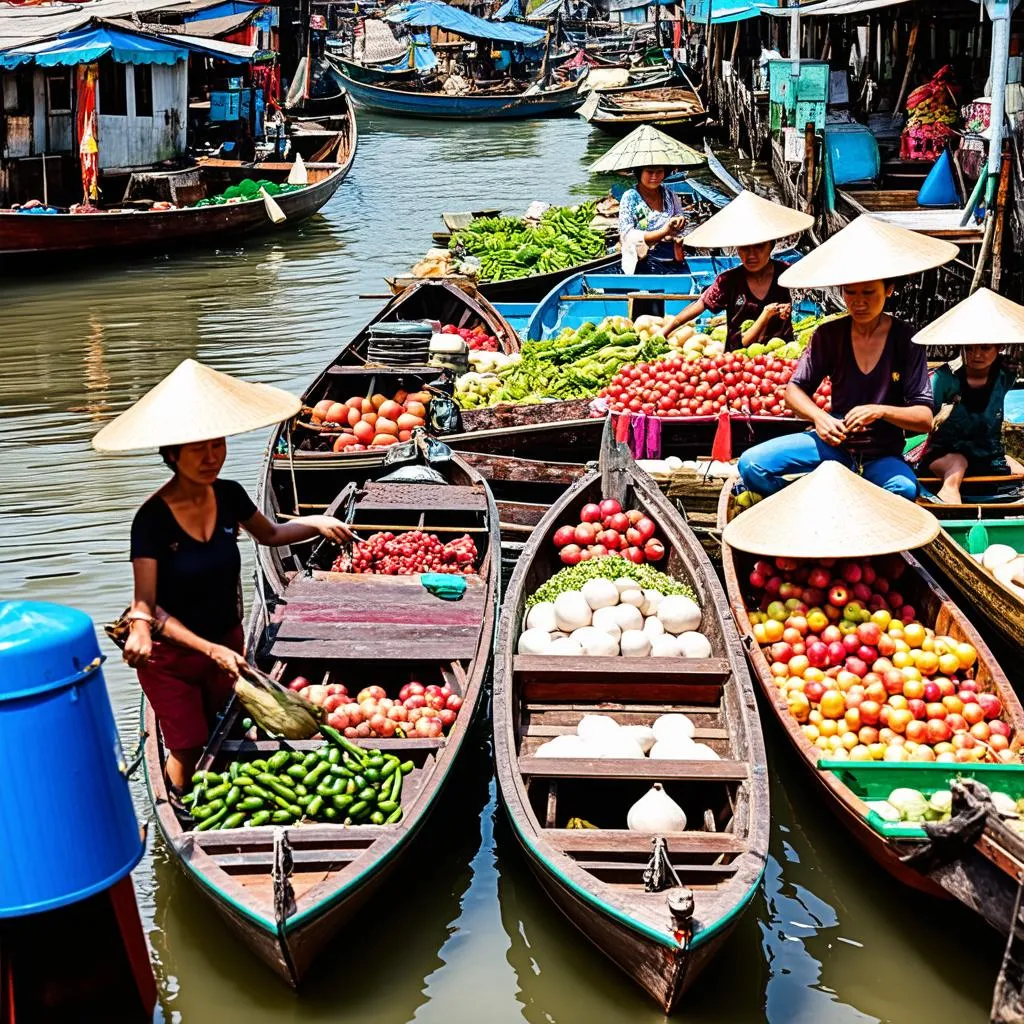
[{"x": 875, "y": 780}]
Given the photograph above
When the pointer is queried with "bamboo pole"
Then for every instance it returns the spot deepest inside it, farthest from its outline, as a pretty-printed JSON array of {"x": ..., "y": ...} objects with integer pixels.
[
  {"x": 1000, "y": 212},
  {"x": 911, "y": 53}
]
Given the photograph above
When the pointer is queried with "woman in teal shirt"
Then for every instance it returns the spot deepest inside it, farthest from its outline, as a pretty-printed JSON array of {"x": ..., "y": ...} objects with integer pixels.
[{"x": 969, "y": 442}]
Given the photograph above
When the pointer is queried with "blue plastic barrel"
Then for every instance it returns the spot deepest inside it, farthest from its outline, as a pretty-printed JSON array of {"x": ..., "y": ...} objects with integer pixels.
[
  {"x": 67, "y": 825},
  {"x": 853, "y": 153}
]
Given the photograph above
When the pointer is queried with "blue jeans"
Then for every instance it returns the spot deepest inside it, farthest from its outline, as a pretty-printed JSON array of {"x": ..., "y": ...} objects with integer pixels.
[{"x": 765, "y": 466}]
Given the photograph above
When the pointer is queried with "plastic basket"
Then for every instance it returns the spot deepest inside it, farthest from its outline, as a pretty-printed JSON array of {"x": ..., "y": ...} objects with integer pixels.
[{"x": 875, "y": 780}]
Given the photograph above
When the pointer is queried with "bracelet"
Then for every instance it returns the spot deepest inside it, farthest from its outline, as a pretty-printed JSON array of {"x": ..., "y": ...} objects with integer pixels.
[{"x": 139, "y": 618}]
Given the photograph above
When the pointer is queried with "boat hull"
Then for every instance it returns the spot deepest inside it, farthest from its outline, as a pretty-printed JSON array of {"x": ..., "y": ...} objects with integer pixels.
[
  {"x": 471, "y": 107},
  {"x": 663, "y": 973},
  {"x": 33, "y": 237}
]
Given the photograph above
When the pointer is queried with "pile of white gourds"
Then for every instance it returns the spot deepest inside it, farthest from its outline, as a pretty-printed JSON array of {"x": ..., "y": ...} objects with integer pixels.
[
  {"x": 668, "y": 738},
  {"x": 607, "y": 618},
  {"x": 1005, "y": 565}
]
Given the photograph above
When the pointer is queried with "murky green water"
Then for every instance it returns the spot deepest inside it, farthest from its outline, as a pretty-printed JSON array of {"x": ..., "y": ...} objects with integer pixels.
[{"x": 829, "y": 939}]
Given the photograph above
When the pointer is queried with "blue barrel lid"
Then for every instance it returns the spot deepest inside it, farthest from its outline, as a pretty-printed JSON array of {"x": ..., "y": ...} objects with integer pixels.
[{"x": 43, "y": 646}]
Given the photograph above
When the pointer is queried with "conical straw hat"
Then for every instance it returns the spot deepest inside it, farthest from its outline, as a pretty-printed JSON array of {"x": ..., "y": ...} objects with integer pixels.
[
  {"x": 748, "y": 220},
  {"x": 984, "y": 319},
  {"x": 647, "y": 147},
  {"x": 831, "y": 513},
  {"x": 868, "y": 249},
  {"x": 195, "y": 403}
]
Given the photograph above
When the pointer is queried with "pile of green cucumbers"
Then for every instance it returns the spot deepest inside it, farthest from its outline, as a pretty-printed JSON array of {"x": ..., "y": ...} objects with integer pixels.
[{"x": 339, "y": 783}]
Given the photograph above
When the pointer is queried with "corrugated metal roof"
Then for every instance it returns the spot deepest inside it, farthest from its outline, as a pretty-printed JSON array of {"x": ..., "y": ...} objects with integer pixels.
[
  {"x": 22, "y": 25},
  {"x": 217, "y": 28},
  {"x": 835, "y": 7}
]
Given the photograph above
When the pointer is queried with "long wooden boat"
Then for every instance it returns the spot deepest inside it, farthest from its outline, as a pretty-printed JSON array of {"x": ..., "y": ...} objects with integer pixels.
[
  {"x": 356, "y": 629},
  {"x": 992, "y": 602},
  {"x": 371, "y": 74},
  {"x": 671, "y": 108},
  {"x": 116, "y": 232},
  {"x": 968, "y": 870},
  {"x": 480, "y": 106},
  {"x": 595, "y": 876}
]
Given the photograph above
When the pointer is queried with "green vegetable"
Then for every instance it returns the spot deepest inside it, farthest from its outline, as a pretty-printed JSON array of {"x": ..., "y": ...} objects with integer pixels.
[
  {"x": 213, "y": 821},
  {"x": 610, "y": 567},
  {"x": 259, "y": 818},
  {"x": 234, "y": 820}
]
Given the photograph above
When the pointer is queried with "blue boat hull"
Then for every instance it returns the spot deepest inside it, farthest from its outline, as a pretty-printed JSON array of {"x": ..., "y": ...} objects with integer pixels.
[
  {"x": 461, "y": 108},
  {"x": 558, "y": 309}
]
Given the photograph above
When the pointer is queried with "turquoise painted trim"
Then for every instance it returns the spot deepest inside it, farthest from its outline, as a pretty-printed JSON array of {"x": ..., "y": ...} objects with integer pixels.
[
  {"x": 293, "y": 922},
  {"x": 662, "y": 938}
]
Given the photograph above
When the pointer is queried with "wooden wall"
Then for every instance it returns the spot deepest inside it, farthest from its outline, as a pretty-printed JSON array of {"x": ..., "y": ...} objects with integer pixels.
[{"x": 131, "y": 141}]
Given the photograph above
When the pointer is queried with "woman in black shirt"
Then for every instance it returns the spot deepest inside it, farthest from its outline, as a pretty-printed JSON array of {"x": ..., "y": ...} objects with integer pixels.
[{"x": 184, "y": 552}]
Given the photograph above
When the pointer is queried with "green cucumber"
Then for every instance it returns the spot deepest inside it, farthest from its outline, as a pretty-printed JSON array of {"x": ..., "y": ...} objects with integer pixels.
[
  {"x": 376, "y": 818},
  {"x": 343, "y": 801},
  {"x": 277, "y": 761},
  {"x": 213, "y": 821},
  {"x": 234, "y": 795},
  {"x": 297, "y": 772},
  {"x": 369, "y": 794},
  {"x": 282, "y": 817},
  {"x": 358, "y": 808},
  {"x": 314, "y": 776},
  {"x": 219, "y": 791},
  {"x": 330, "y": 814},
  {"x": 250, "y": 803},
  {"x": 259, "y": 818},
  {"x": 234, "y": 820},
  {"x": 208, "y": 810},
  {"x": 314, "y": 806},
  {"x": 394, "y": 817},
  {"x": 387, "y": 806}
]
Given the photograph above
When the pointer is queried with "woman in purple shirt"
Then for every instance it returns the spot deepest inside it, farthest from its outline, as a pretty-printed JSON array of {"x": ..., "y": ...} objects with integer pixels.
[{"x": 880, "y": 386}]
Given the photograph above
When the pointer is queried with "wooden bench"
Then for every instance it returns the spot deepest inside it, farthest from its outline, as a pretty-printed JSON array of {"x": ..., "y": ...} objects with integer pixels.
[
  {"x": 652, "y": 680},
  {"x": 638, "y": 768},
  {"x": 620, "y": 840}
]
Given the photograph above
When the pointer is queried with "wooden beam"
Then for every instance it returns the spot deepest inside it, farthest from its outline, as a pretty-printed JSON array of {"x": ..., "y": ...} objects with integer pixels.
[
  {"x": 640, "y": 768},
  {"x": 606, "y": 840}
]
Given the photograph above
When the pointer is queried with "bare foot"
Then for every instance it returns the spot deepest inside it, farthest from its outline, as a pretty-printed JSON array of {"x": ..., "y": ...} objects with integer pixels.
[{"x": 949, "y": 494}]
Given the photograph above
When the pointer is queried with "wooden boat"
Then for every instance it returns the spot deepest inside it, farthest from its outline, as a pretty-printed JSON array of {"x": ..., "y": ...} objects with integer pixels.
[
  {"x": 595, "y": 876},
  {"x": 962, "y": 869},
  {"x": 529, "y": 289},
  {"x": 371, "y": 74},
  {"x": 343, "y": 627},
  {"x": 475, "y": 106},
  {"x": 586, "y": 296},
  {"x": 990, "y": 601},
  {"x": 671, "y": 108},
  {"x": 132, "y": 229}
]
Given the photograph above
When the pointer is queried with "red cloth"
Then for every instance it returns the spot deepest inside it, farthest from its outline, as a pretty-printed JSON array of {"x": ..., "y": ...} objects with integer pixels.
[
  {"x": 721, "y": 448},
  {"x": 86, "y": 79},
  {"x": 187, "y": 691}
]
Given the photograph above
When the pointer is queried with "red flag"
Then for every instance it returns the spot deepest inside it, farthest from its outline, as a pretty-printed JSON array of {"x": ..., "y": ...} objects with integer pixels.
[
  {"x": 622, "y": 428},
  {"x": 721, "y": 449}
]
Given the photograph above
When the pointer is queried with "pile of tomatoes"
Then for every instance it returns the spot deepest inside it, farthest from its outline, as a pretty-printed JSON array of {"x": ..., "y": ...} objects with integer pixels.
[
  {"x": 605, "y": 529},
  {"x": 410, "y": 553},
  {"x": 675, "y": 387},
  {"x": 374, "y": 422},
  {"x": 476, "y": 338}
]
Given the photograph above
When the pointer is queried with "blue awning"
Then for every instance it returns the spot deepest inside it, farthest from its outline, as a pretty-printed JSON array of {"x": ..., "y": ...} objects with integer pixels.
[
  {"x": 423, "y": 56},
  {"x": 429, "y": 14},
  {"x": 545, "y": 10},
  {"x": 89, "y": 43},
  {"x": 101, "y": 39},
  {"x": 725, "y": 12},
  {"x": 509, "y": 9}
]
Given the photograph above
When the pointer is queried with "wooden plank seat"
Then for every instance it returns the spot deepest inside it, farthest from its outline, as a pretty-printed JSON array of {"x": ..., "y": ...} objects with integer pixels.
[
  {"x": 421, "y": 497},
  {"x": 686, "y": 871},
  {"x": 377, "y": 617},
  {"x": 548, "y": 731},
  {"x": 675, "y": 680},
  {"x": 304, "y": 860},
  {"x": 312, "y": 837},
  {"x": 393, "y": 745},
  {"x": 618, "y": 840},
  {"x": 632, "y": 768}
]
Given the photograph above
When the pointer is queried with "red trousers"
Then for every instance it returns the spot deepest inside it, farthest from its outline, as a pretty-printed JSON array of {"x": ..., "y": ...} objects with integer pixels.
[{"x": 187, "y": 690}]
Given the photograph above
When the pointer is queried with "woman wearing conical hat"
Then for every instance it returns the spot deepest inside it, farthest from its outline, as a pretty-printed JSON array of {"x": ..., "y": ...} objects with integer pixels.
[
  {"x": 880, "y": 386},
  {"x": 651, "y": 215},
  {"x": 752, "y": 291},
  {"x": 967, "y": 438},
  {"x": 185, "y": 619}
]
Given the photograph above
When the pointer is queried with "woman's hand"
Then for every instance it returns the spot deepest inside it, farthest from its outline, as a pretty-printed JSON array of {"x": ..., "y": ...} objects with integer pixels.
[
  {"x": 782, "y": 310},
  {"x": 331, "y": 528},
  {"x": 673, "y": 227},
  {"x": 829, "y": 429},
  {"x": 861, "y": 416},
  {"x": 139, "y": 645},
  {"x": 226, "y": 659}
]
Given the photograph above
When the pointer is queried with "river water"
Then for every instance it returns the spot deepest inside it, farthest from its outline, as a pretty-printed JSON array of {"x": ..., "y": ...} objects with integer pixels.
[{"x": 829, "y": 938}]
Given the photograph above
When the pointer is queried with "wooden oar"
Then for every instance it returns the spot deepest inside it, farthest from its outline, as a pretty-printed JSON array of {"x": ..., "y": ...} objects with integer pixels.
[{"x": 274, "y": 212}]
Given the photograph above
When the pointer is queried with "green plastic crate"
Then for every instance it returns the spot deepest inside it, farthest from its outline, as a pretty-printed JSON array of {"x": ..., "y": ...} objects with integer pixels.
[{"x": 875, "y": 780}]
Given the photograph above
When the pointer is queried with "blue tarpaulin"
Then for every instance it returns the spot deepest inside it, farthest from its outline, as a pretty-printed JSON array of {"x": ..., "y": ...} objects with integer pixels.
[
  {"x": 89, "y": 43},
  {"x": 510, "y": 9},
  {"x": 725, "y": 12},
  {"x": 423, "y": 56},
  {"x": 427, "y": 13}
]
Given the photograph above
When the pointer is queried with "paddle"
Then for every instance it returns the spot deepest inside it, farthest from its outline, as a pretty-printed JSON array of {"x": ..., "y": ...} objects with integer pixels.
[
  {"x": 298, "y": 175},
  {"x": 274, "y": 212}
]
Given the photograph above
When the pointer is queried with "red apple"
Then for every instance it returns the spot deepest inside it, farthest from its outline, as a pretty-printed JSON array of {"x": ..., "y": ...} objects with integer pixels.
[
  {"x": 939, "y": 731},
  {"x": 564, "y": 535}
]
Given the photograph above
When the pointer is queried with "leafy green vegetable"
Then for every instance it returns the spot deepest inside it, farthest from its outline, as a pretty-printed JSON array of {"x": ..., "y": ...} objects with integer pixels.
[{"x": 608, "y": 567}]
